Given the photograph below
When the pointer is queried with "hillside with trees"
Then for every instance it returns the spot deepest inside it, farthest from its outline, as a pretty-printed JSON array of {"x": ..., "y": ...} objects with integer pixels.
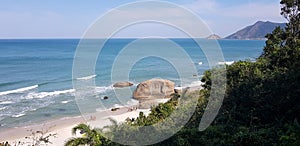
[
  {"x": 256, "y": 31},
  {"x": 261, "y": 105}
]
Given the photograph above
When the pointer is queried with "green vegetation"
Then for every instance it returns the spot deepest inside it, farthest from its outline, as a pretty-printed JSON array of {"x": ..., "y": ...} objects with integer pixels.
[
  {"x": 261, "y": 105},
  {"x": 91, "y": 136}
]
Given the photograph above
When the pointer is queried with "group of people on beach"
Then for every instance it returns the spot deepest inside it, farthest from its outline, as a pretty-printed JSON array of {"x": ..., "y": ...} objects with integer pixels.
[{"x": 133, "y": 108}]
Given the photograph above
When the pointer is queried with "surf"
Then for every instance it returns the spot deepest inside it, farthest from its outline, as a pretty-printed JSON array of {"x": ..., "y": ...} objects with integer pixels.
[
  {"x": 19, "y": 90},
  {"x": 225, "y": 62},
  {"x": 86, "y": 77},
  {"x": 48, "y": 94}
]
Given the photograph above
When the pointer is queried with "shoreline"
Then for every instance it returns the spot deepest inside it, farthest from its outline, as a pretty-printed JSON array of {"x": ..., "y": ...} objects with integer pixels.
[
  {"x": 16, "y": 134},
  {"x": 63, "y": 127}
]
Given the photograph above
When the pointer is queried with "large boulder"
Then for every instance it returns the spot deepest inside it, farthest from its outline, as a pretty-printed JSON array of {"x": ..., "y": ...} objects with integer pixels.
[
  {"x": 153, "y": 89},
  {"x": 122, "y": 84}
]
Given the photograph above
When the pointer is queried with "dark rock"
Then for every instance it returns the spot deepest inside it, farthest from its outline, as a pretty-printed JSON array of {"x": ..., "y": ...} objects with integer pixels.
[{"x": 115, "y": 109}]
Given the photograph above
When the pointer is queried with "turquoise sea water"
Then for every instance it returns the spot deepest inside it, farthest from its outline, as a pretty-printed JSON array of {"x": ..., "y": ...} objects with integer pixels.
[{"x": 36, "y": 74}]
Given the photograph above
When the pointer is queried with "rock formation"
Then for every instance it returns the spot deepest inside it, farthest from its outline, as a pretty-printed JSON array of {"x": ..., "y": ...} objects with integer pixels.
[
  {"x": 122, "y": 84},
  {"x": 153, "y": 89},
  {"x": 214, "y": 37}
]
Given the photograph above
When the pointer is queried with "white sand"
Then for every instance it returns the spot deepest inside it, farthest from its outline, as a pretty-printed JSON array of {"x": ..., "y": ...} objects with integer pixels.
[{"x": 63, "y": 127}]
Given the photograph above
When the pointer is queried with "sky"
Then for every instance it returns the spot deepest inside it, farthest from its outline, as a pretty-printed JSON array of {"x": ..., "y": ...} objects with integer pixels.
[{"x": 71, "y": 18}]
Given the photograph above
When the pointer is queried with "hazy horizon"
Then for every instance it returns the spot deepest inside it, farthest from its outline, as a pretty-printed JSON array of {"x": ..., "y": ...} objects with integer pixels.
[{"x": 35, "y": 19}]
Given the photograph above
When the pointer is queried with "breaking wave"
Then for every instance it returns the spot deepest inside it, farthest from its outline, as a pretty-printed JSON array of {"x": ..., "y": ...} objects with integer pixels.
[
  {"x": 87, "y": 77},
  {"x": 19, "y": 90},
  {"x": 47, "y": 94}
]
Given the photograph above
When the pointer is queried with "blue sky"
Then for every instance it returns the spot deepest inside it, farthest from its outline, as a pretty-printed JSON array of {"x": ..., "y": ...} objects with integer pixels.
[{"x": 70, "y": 18}]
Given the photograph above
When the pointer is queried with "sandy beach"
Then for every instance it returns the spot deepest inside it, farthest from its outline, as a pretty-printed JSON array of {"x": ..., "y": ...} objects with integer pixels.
[{"x": 63, "y": 127}]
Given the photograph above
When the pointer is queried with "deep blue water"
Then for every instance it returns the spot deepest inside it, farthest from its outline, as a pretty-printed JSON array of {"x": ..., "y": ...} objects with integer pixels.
[{"x": 36, "y": 74}]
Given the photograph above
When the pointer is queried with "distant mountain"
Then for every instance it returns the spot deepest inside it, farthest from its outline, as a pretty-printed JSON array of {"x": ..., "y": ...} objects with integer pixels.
[
  {"x": 214, "y": 37},
  {"x": 256, "y": 31}
]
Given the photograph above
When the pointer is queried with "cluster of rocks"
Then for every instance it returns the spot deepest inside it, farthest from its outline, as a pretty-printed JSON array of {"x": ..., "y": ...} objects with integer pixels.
[{"x": 149, "y": 92}]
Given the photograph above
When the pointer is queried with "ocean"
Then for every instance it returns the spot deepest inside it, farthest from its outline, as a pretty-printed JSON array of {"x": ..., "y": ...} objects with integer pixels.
[{"x": 36, "y": 81}]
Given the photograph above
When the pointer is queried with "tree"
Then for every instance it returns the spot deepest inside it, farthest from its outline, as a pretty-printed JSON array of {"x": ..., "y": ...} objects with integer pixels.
[
  {"x": 261, "y": 104},
  {"x": 290, "y": 10},
  {"x": 90, "y": 136},
  {"x": 282, "y": 47}
]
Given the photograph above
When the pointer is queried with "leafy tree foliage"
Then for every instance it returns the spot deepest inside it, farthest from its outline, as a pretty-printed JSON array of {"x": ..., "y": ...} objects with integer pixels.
[
  {"x": 261, "y": 105},
  {"x": 90, "y": 137}
]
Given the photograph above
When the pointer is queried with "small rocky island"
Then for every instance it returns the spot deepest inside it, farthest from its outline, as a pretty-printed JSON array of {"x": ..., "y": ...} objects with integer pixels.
[{"x": 213, "y": 37}]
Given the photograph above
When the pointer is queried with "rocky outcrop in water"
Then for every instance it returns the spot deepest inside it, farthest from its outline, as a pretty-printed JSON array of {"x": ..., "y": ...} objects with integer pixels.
[
  {"x": 154, "y": 89},
  {"x": 122, "y": 84},
  {"x": 213, "y": 37}
]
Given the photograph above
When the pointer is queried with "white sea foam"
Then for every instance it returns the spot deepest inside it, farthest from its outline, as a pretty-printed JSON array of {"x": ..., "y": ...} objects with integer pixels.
[
  {"x": 66, "y": 101},
  {"x": 6, "y": 102},
  {"x": 47, "y": 94},
  {"x": 178, "y": 88},
  {"x": 192, "y": 84},
  {"x": 18, "y": 115},
  {"x": 33, "y": 95},
  {"x": 86, "y": 77},
  {"x": 2, "y": 108},
  {"x": 132, "y": 102},
  {"x": 225, "y": 62},
  {"x": 196, "y": 83},
  {"x": 135, "y": 84},
  {"x": 118, "y": 106},
  {"x": 103, "y": 89},
  {"x": 19, "y": 90},
  {"x": 200, "y": 63},
  {"x": 101, "y": 110}
]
